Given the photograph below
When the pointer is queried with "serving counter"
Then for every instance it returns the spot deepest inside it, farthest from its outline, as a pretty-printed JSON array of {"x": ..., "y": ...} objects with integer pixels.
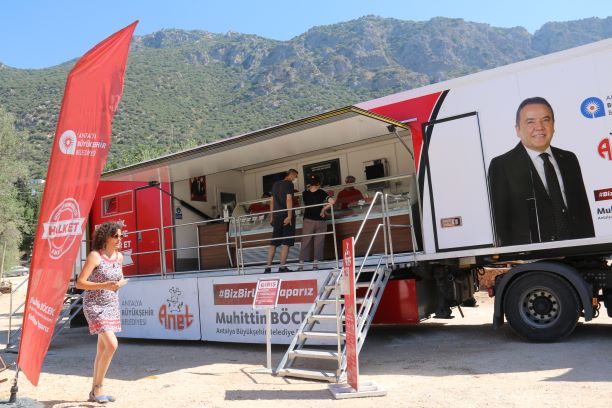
[{"x": 254, "y": 232}]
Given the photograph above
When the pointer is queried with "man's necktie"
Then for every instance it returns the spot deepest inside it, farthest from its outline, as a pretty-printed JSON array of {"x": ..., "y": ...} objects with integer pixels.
[{"x": 556, "y": 197}]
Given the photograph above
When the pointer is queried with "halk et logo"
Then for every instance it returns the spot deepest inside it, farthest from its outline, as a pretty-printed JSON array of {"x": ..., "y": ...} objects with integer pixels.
[
  {"x": 64, "y": 225},
  {"x": 68, "y": 142},
  {"x": 174, "y": 313},
  {"x": 592, "y": 107}
]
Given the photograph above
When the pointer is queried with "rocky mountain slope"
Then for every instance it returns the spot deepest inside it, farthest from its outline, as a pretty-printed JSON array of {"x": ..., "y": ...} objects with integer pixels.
[{"x": 184, "y": 88}]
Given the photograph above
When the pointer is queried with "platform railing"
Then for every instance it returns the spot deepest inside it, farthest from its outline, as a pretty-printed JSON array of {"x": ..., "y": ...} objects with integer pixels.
[
  {"x": 409, "y": 226},
  {"x": 236, "y": 239},
  {"x": 239, "y": 221},
  {"x": 199, "y": 246}
]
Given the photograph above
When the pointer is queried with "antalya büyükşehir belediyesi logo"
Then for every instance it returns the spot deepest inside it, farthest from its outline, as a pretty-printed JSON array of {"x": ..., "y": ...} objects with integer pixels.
[
  {"x": 68, "y": 142},
  {"x": 592, "y": 107}
]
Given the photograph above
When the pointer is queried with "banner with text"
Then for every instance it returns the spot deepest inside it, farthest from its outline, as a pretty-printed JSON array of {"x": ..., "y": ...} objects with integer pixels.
[
  {"x": 82, "y": 140},
  {"x": 226, "y": 307},
  {"x": 160, "y": 309}
]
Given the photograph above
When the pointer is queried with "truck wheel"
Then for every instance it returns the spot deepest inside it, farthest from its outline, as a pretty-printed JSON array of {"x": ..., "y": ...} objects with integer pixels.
[{"x": 541, "y": 307}]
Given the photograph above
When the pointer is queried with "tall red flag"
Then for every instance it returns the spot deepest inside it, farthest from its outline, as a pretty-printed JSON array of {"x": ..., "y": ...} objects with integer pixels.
[{"x": 81, "y": 144}]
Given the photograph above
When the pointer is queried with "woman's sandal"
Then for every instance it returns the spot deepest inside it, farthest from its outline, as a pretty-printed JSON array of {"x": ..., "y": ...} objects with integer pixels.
[{"x": 100, "y": 399}]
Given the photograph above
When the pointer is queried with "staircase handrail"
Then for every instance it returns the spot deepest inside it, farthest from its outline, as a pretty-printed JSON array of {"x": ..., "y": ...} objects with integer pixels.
[
  {"x": 411, "y": 226},
  {"x": 328, "y": 281}
]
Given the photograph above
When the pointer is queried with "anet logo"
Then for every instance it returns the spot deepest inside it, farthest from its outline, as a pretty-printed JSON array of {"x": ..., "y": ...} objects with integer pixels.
[
  {"x": 604, "y": 149},
  {"x": 174, "y": 313}
]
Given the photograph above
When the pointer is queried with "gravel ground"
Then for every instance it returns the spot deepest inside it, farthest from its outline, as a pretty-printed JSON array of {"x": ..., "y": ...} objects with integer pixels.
[{"x": 440, "y": 363}]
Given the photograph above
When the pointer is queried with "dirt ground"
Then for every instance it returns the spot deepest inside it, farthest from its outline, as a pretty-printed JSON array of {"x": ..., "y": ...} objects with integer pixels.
[{"x": 440, "y": 363}]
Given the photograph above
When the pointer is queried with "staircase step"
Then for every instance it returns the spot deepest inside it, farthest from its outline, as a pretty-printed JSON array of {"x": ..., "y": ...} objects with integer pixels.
[
  {"x": 341, "y": 301},
  {"x": 320, "y": 335},
  {"x": 329, "y": 301},
  {"x": 312, "y": 353},
  {"x": 358, "y": 285},
  {"x": 323, "y": 318},
  {"x": 366, "y": 269},
  {"x": 310, "y": 374}
]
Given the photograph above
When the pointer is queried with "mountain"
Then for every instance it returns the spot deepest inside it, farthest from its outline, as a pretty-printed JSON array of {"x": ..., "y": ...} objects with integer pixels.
[{"x": 184, "y": 88}]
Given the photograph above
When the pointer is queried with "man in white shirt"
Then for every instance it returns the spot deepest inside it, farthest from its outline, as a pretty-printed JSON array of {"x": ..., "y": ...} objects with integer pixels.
[{"x": 537, "y": 191}]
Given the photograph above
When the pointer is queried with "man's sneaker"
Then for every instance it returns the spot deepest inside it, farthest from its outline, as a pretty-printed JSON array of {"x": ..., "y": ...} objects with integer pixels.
[
  {"x": 267, "y": 270},
  {"x": 284, "y": 269}
]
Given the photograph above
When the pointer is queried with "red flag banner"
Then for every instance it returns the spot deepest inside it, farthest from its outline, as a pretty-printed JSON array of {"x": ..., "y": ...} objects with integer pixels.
[
  {"x": 350, "y": 312},
  {"x": 80, "y": 147}
]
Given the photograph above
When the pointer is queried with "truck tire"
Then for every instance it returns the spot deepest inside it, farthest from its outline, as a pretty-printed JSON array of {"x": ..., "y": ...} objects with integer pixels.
[{"x": 542, "y": 307}]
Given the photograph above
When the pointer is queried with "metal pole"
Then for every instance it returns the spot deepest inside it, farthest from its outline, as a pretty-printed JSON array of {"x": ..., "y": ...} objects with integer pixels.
[
  {"x": 269, "y": 337},
  {"x": 385, "y": 223},
  {"x": 8, "y": 340},
  {"x": 8, "y": 336},
  {"x": 412, "y": 234},
  {"x": 197, "y": 228},
  {"x": 236, "y": 238},
  {"x": 2, "y": 265},
  {"x": 389, "y": 232},
  {"x": 161, "y": 255},
  {"x": 162, "y": 241},
  {"x": 333, "y": 220},
  {"x": 239, "y": 260}
]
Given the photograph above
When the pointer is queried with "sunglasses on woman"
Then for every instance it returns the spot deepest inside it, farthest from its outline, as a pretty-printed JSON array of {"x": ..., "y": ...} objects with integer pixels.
[{"x": 118, "y": 236}]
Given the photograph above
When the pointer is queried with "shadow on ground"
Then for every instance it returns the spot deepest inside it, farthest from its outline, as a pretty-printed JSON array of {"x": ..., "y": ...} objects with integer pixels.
[{"x": 431, "y": 349}]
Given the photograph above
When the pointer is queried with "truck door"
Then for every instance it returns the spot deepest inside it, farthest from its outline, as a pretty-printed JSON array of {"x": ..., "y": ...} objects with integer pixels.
[
  {"x": 457, "y": 184},
  {"x": 147, "y": 235}
]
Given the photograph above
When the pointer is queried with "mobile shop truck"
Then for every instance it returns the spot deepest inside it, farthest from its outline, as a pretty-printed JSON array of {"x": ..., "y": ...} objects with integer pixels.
[{"x": 461, "y": 187}]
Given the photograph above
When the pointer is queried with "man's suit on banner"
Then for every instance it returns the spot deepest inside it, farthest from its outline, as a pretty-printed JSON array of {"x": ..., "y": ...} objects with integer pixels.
[{"x": 522, "y": 208}]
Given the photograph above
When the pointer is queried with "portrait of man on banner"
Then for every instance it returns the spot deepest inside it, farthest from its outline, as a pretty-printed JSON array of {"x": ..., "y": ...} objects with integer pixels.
[
  {"x": 198, "y": 188},
  {"x": 537, "y": 191}
]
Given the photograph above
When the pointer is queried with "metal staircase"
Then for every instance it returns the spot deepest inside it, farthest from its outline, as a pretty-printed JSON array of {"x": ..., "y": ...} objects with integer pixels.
[{"x": 318, "y": 349}]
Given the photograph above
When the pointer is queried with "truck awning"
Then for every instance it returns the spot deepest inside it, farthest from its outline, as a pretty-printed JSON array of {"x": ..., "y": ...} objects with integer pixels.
[{"x": 324, "y": 132}]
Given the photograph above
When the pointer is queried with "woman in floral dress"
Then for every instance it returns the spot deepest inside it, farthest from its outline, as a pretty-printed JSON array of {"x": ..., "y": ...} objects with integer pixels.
[{"x": 101, "y": 278}]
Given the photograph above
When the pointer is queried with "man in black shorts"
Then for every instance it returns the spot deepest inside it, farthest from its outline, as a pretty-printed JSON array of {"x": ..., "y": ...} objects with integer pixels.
[{"x": 283, "y": 222}]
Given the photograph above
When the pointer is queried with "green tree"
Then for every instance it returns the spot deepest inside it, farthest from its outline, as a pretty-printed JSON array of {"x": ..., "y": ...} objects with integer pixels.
[
  {"x": 12, "y": 170},
  {"x": 29, "y": 196}
]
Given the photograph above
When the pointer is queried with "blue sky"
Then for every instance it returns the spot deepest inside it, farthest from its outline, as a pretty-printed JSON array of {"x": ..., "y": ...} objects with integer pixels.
[{"x": 42, "y": 33}]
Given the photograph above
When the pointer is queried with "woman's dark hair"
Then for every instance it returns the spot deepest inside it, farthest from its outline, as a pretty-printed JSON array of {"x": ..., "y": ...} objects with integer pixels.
[
  {"x": 101, "y": 234},
  {"x": 314, "y": 181}
]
